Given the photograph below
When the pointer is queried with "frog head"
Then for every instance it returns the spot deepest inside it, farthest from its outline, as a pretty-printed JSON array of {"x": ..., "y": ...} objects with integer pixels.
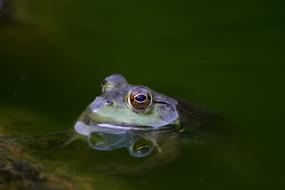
[{"x": 131, "y": 106}]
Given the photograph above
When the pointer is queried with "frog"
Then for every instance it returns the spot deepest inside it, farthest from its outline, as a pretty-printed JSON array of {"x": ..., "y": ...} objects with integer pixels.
[
  {"x": 137, "y": 118},
  {"x": 129, "y": 116}
]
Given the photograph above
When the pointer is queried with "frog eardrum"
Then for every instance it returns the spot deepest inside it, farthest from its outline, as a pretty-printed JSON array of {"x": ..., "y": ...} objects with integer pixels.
[{"x": 139, "y": 99}]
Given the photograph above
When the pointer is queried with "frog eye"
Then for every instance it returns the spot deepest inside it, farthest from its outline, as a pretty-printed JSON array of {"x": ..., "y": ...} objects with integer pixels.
[
  {"x": 139, "y": 99},
  {"x": 113, "y": 83},
  {"x": 104, "y": 86},
  {"x": 103, "y": 83}
]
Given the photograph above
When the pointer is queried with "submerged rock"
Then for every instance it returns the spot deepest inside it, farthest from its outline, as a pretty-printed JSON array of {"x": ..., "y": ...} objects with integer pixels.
[{"x": 18, "y": 168}]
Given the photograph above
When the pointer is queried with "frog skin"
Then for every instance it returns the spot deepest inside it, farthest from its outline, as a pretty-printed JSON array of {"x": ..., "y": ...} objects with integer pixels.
[{"x": 130, "y": 116}]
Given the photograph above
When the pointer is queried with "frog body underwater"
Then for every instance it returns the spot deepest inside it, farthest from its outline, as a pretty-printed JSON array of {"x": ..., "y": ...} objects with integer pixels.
[{"x": 130, "y": 116}]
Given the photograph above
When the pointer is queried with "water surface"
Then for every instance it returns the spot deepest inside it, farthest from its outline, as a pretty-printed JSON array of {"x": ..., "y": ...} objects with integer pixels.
[{"x": 225, "y": 56}]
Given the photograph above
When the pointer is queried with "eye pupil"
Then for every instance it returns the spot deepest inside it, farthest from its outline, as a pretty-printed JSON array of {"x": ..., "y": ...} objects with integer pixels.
[{"x": 141, "y": 98}]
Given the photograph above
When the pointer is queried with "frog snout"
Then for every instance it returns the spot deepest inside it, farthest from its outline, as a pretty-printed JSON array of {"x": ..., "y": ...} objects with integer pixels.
[{"x": 99, "y": 102}]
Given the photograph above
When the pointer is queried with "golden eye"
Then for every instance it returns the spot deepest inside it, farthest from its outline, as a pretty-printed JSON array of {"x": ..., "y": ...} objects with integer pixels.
[{"x": 140, "y": 99}]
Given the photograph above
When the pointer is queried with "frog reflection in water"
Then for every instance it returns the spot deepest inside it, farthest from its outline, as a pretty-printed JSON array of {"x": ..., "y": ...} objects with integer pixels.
[{"x": 128, "y": 116}]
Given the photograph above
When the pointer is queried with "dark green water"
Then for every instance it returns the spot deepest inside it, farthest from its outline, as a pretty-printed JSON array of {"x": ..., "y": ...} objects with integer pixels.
[{"x": 225, "y": 55}]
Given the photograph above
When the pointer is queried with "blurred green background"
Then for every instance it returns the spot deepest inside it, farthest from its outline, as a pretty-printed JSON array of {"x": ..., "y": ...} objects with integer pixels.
[{"x": 225, "y": 55}]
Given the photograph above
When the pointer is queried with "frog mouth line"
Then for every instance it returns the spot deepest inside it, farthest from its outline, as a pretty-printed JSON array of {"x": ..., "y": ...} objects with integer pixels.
[
  {"x": 85, "y": 129},
  {"x": 124, "y": 127}
]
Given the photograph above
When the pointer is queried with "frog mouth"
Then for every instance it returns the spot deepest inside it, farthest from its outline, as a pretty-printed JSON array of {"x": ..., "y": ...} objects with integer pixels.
[{"x": 86, "y": 129}]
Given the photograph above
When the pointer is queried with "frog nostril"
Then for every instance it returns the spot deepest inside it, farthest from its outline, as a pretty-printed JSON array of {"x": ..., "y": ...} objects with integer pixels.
[
  {"x": 97, "y": 104},
  {"x": 109, "y": 102}
]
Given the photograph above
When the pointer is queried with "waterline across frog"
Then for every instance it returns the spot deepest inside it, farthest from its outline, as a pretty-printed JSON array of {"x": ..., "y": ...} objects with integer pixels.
[{"x": 129, "y": 116}]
